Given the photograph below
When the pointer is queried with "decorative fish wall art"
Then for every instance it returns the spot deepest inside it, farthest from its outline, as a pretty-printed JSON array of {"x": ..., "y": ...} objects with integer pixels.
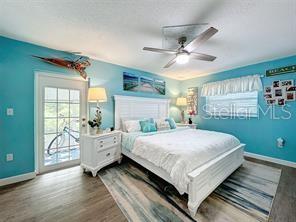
[{"x": 78, "y": 65}]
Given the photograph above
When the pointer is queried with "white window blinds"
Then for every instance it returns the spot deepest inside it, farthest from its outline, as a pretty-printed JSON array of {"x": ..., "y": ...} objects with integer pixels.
[{"x": 234, "y": 104}]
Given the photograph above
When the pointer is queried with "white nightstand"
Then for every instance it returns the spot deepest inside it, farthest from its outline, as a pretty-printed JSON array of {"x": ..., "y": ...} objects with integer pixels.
[
  {"x": 192, "y": 126},
  {"x": 98, "y": 151}
]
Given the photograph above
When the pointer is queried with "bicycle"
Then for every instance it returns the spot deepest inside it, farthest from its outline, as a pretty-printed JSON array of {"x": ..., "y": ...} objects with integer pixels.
[{"x": 60, "y": 138}]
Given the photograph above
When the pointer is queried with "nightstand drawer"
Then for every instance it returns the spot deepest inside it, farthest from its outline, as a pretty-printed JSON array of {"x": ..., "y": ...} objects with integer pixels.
[
  {"x": 106, "y": 142},
  {"x": 97, "y": 151},
  {"x": 105, "y": 155}
]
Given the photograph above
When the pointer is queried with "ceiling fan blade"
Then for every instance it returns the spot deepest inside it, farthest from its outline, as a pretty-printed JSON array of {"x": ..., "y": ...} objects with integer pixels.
[
  {"x": 200, "y": 56},
  {"x": 170, "y": 63},
  {"x": 165, "y": 51},
  {"x": 200, "y": 39}
]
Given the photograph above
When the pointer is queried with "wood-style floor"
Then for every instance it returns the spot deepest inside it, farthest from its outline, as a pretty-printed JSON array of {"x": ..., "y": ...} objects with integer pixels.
[
  {"x": 70, "y": 195},
  {"x": 65, "y": 195}
]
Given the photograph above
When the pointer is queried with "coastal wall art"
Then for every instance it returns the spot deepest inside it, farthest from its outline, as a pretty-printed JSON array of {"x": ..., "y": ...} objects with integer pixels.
[
  {"x": 141, "y": 83},
  {"x": 192, "y": 101},
  {"x": 78, "y": 64},
  {"x": 281, "y": 70},
  {"x": 280, "y": 92}
]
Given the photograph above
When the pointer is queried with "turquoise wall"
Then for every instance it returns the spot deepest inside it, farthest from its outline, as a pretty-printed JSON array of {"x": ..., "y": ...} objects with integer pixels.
[
  {"x": 17, "y": 91},
  {"x": 259, "y": 134},
  {"x": 17, "y": 68}
]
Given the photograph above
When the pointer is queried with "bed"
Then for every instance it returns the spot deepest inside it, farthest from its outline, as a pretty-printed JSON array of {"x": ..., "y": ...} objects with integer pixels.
[{"x": 198, "y": 172}]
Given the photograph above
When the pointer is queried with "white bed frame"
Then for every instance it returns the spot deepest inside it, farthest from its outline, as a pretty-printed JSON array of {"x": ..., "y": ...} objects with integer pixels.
[{"x": 204, "y": 179}]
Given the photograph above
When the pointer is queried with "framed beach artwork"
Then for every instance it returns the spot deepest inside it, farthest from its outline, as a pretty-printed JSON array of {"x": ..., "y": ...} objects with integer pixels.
[
  {"x": 142, "y": 83},
  {"x": 130, "y": 81}
]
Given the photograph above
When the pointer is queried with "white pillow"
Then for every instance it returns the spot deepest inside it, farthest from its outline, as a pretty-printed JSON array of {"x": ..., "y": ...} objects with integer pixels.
[
  {"x": 161, "y": 124},
  {"x": 123, "y": 120},
  {"x": 132, "y": 126}
]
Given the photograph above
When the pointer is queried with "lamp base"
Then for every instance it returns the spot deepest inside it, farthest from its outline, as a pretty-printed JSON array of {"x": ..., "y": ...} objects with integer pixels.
[
  {"x": 92, "y": 131},
  {"x": 99, "y": 131},
  {"x": 182, "y": 117}
]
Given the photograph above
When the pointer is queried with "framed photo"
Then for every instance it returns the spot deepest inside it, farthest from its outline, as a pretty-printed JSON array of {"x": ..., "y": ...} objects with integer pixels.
[
  {"x": 267, "y": 89},
  {"x": 281, "y": 101},
  {"x": 291, "y": 89},
  {"x": 290, "y": 96},
  {"x": 278, "y": 92},
  {"x": 276, "y": 84},
  {"x": 270, "y": 101},
  {"x": 268, "y": 96},
  {"x": 285, "y": 83}
]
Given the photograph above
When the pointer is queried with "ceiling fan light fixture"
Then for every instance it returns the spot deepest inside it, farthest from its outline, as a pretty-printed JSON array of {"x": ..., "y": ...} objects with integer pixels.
[
  {"x": 182, "y": 58},
  {"x": 183, "y": 53}
]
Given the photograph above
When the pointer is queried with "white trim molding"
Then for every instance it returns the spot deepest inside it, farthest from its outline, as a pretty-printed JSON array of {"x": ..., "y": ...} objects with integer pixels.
[
  {"x": 49, "y": 79},
  {"x": 16, "y": 179},
  {"x": 271, "y": 159}
]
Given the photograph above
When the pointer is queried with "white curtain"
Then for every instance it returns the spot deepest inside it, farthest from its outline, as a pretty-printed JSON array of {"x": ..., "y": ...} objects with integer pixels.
[{"x": 237, "y": 85}]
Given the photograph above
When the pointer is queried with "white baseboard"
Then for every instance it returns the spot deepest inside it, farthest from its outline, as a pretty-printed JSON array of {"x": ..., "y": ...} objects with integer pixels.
[
  {"x": 271, "y": 159},
  {"x": 18, "y": 178}
]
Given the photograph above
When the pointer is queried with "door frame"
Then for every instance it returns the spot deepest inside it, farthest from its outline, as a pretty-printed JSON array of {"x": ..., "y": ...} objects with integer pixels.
[{"x": 38, "y": 121}]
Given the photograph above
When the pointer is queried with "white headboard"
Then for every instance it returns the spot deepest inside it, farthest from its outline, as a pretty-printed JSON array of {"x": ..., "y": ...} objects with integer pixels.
[{"x": 131, "y": 107}]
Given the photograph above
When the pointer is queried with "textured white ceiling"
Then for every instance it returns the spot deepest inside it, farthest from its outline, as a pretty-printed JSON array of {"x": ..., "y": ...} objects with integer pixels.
[{"x": 115, "y": 31}]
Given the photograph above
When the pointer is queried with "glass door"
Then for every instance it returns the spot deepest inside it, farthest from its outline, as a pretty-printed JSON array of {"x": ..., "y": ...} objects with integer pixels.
[
  {"x": 61, "y": 125},
  {"x": 62, "y": 109}
]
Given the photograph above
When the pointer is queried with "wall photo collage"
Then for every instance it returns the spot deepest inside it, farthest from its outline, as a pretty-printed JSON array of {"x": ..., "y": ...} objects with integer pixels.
[{"x": 280, "y": 92}]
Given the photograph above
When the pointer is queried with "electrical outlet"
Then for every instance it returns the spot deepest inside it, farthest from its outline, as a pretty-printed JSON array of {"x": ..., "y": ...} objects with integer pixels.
[
  {"x": 9, "y": 157},
  {"x": 9, "y": 111},
  {"x": 280, "y": 142}
]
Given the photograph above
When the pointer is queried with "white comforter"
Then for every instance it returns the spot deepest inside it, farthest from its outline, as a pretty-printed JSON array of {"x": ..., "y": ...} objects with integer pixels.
[{"x": 180, "y": 152}]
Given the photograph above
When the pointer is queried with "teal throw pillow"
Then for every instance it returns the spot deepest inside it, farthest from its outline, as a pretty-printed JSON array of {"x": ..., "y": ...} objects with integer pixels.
[
  {"x": 148, "y": 126},
  {"x": 172, "y": 123}
]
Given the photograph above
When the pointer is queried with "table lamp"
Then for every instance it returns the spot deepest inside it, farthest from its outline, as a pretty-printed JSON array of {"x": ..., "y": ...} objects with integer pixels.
[{"x": 97, "y": 95}]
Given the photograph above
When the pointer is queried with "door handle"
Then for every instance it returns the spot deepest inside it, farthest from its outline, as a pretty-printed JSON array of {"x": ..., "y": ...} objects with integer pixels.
[{"x": 83, "y": 120}]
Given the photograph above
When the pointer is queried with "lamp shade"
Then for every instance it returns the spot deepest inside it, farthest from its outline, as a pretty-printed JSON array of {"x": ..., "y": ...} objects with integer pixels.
[
  {"x": 181, "y": 101},
  {"x": 96, "y": 94}
]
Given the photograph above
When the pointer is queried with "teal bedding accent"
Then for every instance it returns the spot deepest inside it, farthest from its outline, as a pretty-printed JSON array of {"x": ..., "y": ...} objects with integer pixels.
[
  {"x": 128, "y": 139},
  {"x": 172, "y": 123},
  {"x": 148, "y": 126}
]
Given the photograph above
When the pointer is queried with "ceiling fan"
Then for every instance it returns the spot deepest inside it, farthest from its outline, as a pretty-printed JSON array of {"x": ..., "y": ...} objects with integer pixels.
[{"x": 184, "y": 53}]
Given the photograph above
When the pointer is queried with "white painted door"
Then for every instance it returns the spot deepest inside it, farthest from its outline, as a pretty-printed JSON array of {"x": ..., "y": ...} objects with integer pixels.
[{"x": 61, "y": 110}]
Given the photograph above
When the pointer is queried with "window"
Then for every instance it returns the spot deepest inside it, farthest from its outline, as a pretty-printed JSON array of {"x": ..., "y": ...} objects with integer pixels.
[{"x": 236, "y": 104}]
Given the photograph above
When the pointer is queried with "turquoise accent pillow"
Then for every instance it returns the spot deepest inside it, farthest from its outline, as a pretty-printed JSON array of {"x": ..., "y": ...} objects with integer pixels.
[
  {"x": 148, "y": 126},
  {"x": 172, "y": 123}
]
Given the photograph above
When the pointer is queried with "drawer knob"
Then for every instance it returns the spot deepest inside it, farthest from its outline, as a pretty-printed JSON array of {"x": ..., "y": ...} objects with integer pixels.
[
  {"x": 101, "y": 141},
  {"x": 108, "y": 154},
  {"x": 114, "y": 141},
  {"x": 101, "y": 145}
]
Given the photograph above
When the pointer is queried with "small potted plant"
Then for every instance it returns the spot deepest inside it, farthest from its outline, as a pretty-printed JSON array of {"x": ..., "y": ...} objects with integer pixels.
[
  {"x": 95, "y": 123},
  {"x": 191, "y": 114}
]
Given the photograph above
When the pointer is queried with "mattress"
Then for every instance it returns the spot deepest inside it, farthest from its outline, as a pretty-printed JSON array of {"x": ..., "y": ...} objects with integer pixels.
[{"x": 180, "y": 151}]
